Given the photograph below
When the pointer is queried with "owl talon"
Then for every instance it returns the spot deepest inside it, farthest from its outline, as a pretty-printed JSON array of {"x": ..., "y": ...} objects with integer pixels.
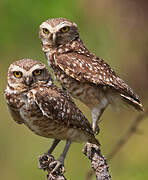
[
  {"x": 89, "y": 150},
  {"x": 44, "y": 161},
  {"x": 56, "y": 167}
]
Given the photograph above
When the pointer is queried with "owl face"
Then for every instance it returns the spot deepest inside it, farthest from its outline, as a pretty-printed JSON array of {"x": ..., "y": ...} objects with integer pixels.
[
  {"x": 58, "y": 31},
  {"x": 27, "y": 73}
]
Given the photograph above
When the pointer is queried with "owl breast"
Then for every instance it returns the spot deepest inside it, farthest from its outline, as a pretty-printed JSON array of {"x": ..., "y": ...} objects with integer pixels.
[
  {"x": 45, "y": 126},
  {"x": 35, "y": 120}
]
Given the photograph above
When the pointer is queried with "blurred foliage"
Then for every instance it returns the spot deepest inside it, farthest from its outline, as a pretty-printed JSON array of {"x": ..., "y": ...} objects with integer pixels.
[{"x": 114, "y": 30}]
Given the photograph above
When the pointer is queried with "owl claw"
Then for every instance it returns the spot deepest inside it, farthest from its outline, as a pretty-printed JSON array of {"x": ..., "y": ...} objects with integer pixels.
[
  {"x": 44, "y": 161},
  {"x": 47, "y": 162},
  {"x": 90, "y": 149},
  {"x": 56, "y": 167}
]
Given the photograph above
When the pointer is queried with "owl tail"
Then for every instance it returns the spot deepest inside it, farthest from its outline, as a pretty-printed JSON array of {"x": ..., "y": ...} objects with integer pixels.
[{"x": 136, "y": 104}]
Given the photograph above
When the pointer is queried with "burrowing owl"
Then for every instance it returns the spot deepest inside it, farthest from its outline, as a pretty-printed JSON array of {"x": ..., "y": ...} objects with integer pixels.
[
  {"x": 35, "y": 101},
  {"x": 84, "y": 75}
]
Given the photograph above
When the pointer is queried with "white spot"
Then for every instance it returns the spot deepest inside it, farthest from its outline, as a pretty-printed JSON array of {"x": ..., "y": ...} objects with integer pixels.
[
  {"x": 48, "y": 54},
  {"x": 90, "y": 68},
  {"x": 11, "y": 100},
  {"x": 60, "y": 50},
  {"x": 111, "y": 79},
  {"x": 107, "y": 79},
  {"x": 100, "y": 77},
  {"x": 73, "y": 58},
  {"x": 66, "y": 49},
  {"x": 81, "y": 65},
  {"x": 62, "y": 114},
  {"x": 74, "y": 64},
  {"x": 41, "y": 89},
  {"x": 62, "y": 76},
  {"x": 45, "y": 48},
  {"x": 50, "y": 83},
  {"x": 9, "y": 91}
]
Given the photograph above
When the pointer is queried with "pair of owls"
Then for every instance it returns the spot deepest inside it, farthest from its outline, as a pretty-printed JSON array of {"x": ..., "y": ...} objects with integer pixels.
[{"x": 48, "y": 111}]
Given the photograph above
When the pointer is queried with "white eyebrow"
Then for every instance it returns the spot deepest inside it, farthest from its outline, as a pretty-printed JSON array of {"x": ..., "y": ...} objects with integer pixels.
[
  {"x": 37, "y": 66},
  {"x": 46, "y": 25},
  {"x": 17, "y": 68},
  {"x": 62, "y": 24},
  {"x": 52, "y": 29}
]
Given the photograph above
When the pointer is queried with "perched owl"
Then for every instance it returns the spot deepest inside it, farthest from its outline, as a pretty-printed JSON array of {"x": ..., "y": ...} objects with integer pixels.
[
  {"x": 81, "y": 73},
  {"x": 33, "y": 100}
]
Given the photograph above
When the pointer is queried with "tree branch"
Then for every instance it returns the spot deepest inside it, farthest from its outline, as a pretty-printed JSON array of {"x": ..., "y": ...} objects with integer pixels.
[
  {"x": 98, "y": 161},
  {"x": 132, "y": 129}
]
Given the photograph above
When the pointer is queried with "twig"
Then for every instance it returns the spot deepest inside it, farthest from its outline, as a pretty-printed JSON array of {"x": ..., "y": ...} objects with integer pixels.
[
  {"x": 133, "y": 129},
  {"x": 122, "y": 142},
  {"x": 44, "y": 162},
  {"x": 98, "y": 161}
]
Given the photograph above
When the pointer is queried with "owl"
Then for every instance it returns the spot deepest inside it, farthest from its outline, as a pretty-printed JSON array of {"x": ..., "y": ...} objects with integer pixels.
[
  {"x": 81, "y": 73},
  {"x": 33, "y": 100}
]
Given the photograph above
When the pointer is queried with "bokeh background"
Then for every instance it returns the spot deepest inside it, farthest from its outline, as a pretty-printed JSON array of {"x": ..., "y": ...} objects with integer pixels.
[{"x": 115, "y": 30}]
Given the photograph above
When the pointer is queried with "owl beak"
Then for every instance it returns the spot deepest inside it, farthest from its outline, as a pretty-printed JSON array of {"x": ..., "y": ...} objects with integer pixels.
[
  {"x": 28, "y": 80},
  {"x": 54, "y": 37}
]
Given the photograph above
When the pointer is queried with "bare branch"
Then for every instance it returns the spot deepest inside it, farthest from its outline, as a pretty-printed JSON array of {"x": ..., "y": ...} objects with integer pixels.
[
  {"x": 133, "y": 129},
  {"x": 98, "y": 161}
]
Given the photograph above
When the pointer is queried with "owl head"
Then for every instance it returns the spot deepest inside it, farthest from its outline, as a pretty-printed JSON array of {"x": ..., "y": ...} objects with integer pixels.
[
  {"x": 58, "y": 31},
  {"x": 27, "y": 73}
]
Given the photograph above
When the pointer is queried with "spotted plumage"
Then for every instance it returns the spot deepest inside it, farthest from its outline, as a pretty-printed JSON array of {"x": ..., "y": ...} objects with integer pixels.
[
  {"x": 84, "y": 75},
  {"x": 48, "y": 111}
]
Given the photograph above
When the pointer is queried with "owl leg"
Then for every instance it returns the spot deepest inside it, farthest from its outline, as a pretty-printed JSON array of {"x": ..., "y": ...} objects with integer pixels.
[
  {"x": 66, "y": 148},
  {"x": 47, "y": 158},
  {"x": 59, "y": 164},
  {"x": 53, "y": 146},
  {"x": 96, "y": 113}
]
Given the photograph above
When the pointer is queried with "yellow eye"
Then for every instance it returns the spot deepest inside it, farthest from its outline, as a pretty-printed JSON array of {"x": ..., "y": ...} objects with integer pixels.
[
  {"x": 17, "y": 74},
  {"x": 37, "y": 72},
  {"x": 65, "y": 29},
  {"x": 45, "y": 31}
]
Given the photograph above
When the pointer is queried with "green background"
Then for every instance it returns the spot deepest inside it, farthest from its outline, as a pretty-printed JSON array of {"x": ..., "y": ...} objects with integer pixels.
[{"x": 115, "y": 30}]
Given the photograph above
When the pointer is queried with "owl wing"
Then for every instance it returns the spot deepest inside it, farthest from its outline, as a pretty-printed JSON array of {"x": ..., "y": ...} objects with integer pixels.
[
  {"x": 15, "y": 115},
  {"x": 14, "y": 106},
  {"x": 56, "y": 104},
  {"x": 91, "y": 69}
]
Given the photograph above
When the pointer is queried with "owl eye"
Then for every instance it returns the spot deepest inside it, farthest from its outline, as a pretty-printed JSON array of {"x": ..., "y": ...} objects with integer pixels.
[
  {"x": 37, "y": 72},
  {"x": 17, "y": 74},
  {"x": 65, "y": 29},
  {"x": 45, "y": 31}
]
